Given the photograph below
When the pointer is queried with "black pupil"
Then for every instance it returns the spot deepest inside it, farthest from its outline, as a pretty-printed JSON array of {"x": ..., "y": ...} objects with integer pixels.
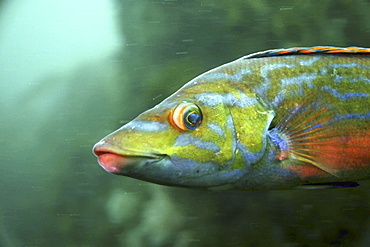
[{"x": 193, "y": 118}]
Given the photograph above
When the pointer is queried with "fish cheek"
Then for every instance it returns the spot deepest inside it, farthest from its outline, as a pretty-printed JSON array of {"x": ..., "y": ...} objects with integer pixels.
[
  {"x": 251, "y": 124},
  {"x": 219, "y": 129}
]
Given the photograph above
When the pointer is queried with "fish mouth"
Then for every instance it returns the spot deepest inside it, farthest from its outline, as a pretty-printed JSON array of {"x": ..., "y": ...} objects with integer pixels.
[{"x": 114, "y": 160}]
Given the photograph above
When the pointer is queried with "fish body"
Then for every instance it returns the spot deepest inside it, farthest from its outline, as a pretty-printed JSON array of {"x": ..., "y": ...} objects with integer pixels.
[{"x": 277, "y": 119}]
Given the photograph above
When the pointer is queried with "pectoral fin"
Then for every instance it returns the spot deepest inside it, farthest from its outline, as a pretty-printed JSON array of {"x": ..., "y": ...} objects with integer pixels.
[{"x": 309, "y": 133}]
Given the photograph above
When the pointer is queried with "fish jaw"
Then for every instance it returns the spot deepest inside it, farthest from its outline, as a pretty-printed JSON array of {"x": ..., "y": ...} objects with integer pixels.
[
  {"x": 153, "y": 168},
  {"x": 164, "y": 169},
  {"x": 115, "y": 160}
]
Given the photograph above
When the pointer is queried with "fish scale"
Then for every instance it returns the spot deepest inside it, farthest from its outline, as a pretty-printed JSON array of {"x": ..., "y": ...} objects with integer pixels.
[
  {"x": 284, "y": 86},
  {"x": 277, "y": 119}
]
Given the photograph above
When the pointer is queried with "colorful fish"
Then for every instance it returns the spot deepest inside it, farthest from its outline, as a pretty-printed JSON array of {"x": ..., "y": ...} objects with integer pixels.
[{"x": 277, "y": 119}]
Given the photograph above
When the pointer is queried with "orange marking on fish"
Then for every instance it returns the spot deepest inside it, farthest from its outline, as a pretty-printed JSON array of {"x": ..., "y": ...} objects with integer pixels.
[
  {"x": 307, "y": 171},
  {"x": 283, "y": 154},
  {"x": 352, "y": 152}
]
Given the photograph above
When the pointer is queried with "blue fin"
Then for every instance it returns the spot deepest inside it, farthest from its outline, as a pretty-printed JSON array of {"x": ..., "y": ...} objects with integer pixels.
[{"x": 333, "y": 185}]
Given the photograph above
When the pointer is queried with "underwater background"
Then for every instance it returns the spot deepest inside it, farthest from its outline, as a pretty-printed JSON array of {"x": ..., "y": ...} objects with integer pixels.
[{"x": 74, "y": 71}]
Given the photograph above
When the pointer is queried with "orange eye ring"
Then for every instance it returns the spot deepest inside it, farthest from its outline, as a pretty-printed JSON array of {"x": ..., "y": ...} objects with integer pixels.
[{"x": 186, "y": 116}]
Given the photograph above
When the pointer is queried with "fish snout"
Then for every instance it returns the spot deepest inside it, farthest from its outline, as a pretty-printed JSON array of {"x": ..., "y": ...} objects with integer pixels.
[
  {"x": 110, "y": 159},
  {"x": 116, "y": 160}
]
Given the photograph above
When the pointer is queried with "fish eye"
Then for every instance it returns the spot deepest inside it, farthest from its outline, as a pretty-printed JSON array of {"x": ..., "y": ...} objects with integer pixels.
[{"x": 187, "y": 116}]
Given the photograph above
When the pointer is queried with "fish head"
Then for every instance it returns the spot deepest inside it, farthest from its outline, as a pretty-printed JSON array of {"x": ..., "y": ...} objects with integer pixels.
[{"x": 188, "y": 140}]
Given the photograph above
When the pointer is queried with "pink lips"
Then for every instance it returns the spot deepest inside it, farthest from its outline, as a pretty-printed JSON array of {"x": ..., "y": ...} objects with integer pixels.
[{"x": 110, "y": 161}]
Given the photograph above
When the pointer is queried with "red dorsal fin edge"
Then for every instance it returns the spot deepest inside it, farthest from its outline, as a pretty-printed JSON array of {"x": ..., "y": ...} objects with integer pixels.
[{"x": 310, "y": 50}]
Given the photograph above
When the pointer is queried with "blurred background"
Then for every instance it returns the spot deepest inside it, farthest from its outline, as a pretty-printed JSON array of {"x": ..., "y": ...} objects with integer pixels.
[{"x": 73, "y": 71}]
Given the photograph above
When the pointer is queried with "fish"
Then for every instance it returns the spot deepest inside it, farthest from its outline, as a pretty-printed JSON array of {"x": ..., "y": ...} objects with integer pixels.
[{"x": 272, "y": 120}]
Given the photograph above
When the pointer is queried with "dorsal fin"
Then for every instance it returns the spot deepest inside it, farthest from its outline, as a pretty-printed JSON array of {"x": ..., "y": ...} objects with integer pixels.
[{"x": 310, "y": 50}]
